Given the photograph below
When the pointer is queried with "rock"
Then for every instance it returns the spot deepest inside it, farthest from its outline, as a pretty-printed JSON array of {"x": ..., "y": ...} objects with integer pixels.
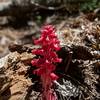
[
  {"x": 4, "y": 80},
  {"x": 16, "y": 70},
  {"x": 13, "y": 69},
  {"x": 2, "y": 62}
]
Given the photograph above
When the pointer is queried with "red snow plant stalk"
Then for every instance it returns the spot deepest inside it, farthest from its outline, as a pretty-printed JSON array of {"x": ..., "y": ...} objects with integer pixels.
[{"x": 46, "y": 62}]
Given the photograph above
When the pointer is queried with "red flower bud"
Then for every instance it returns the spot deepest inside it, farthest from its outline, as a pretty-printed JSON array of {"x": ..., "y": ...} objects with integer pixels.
[
  {"x": 53, "y": 76},
  {"x": 34, "y": 62}
]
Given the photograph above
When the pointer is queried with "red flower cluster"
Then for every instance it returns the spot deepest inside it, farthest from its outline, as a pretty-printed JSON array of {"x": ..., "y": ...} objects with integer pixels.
[{"x": 48, "y": 57}]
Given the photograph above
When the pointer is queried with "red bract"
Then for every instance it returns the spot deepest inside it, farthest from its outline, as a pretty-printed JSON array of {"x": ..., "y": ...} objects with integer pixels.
[{"x": 46, "y": 62}]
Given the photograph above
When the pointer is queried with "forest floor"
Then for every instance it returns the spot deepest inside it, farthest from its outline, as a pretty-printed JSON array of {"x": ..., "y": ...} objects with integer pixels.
[{"x": 80, "y": 69}]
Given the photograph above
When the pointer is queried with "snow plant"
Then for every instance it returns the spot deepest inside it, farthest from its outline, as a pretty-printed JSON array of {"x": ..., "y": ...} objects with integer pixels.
[{"x": 49, "y": 45}]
